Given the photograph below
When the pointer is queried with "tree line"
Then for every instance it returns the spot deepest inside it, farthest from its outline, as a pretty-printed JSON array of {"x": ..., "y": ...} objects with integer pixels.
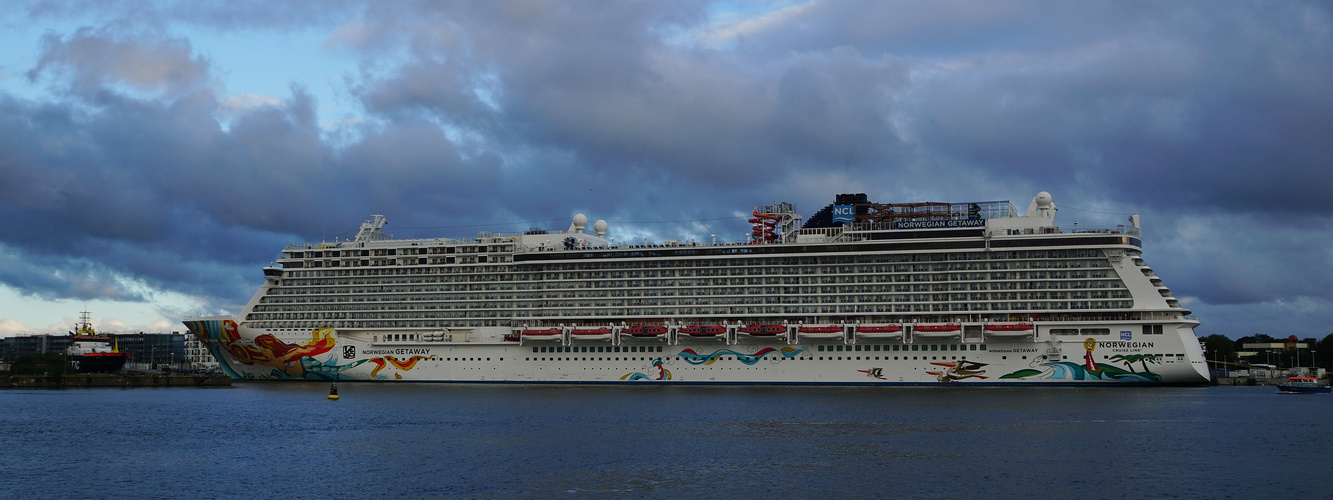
[{"x": 1219, "y": 349}]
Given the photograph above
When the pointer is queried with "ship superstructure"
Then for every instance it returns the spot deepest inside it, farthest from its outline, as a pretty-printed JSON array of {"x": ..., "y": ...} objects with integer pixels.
[
  {"x": 862, "y": 293},
  {"x": 89, "y": 352}
]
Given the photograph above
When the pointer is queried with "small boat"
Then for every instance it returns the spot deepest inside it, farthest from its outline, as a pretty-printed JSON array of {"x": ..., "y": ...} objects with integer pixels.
[
  {"x": 948, "y": 330},
  {"x": 762, "y": 330},
  {"x": 590, "y": 333},
  {"x": 703, "y": 330},
  {"x": 879, "y": 331},
  {"x": 1303, "y": 385},
  {"x": 543, "y": 334},
  {"x": 644, "y": 330},
  {"x": 820, "y": 332},
  {"x": 1009, "y": 330}
]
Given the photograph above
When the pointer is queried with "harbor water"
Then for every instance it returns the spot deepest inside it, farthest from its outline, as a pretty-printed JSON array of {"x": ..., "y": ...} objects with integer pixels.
[{"x": 287, "y": 440}]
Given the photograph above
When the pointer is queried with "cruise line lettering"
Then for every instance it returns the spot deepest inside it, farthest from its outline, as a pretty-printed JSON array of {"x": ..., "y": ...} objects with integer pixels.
[
  {"x": 939, "y": 224},
  {"x": 1120, "y": 344},
  {"x": 399, "y": 352},
  {"x": 844, "y": 213}
]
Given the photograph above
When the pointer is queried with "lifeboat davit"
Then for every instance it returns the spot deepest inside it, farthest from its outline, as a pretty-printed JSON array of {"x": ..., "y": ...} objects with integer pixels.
[
  {"x": 644, "y": 330},
  {"x": 703, "y": 330},
  {"x": 879, "y": 331},
  {"x": 762, "y": 330},
  {"x": 948, "y": 330},
  {"x": 1010, "y": 330}
]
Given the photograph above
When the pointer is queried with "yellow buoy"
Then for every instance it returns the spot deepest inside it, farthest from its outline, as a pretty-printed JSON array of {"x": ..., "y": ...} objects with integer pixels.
[{"x": 333, "y": 391}]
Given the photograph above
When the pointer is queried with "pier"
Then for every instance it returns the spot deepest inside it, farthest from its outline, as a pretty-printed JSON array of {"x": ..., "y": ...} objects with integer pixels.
[{"x": 94, "y": 380}]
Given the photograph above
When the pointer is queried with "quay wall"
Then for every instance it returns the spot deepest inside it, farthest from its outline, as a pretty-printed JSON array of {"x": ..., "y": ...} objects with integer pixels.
[{"x": 92, "y": 380}]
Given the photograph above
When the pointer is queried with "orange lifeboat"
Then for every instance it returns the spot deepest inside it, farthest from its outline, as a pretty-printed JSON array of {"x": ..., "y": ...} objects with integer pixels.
[
  {"x": 1018, "y": 327},
  {"x": 703, "y": 330},
  {"x": 546, "y": 333},
  {"x": 1010, "y": 330},
  {"x": 644, "y": 330},
  {"x": 820, "y": 329},
  {"x": 879, "y": 329},
  {"x": 762, "y": 330},
  {"x": 937, "y": 330}
]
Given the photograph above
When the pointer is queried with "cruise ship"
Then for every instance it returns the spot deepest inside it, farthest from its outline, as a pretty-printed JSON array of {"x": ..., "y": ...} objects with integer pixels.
[{"x": 861, "y": 293}]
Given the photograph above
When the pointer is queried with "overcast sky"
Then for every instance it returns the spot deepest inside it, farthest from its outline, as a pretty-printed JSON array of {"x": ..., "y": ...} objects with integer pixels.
[{"x": 155, "y": 155}]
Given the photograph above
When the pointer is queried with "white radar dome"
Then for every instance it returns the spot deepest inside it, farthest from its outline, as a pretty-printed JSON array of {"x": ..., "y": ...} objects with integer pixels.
[
  {"x": 580, "y": 221},
  {"x": 599, "y": 227},
  {"x": 1043, "y": 199}
]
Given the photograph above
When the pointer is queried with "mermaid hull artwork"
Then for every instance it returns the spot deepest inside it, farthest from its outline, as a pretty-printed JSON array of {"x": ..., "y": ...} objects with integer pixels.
[{"x": 327, "y": 354}]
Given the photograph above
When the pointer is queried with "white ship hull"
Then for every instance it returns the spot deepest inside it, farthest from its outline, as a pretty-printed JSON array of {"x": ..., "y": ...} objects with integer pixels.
[
  {"x": 328, "y": 355},
  {"x": 864, "y": 293}
]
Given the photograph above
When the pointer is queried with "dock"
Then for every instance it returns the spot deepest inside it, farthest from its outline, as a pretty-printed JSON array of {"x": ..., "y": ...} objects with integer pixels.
[
  {"x": 1263, "y": 381},
  {"x": 96, "y": 380}
]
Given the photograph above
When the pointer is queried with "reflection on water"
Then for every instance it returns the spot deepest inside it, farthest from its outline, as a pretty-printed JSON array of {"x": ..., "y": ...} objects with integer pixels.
[{"x": 287, "y": 439}]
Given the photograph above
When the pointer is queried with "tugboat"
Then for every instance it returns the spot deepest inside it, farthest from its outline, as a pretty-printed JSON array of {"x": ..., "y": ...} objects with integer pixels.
[{"x": 89, "y": 352}]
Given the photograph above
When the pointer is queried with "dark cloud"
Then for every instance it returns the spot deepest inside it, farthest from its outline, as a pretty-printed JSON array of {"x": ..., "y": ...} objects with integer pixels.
[{"x": 1210, "y": 119}]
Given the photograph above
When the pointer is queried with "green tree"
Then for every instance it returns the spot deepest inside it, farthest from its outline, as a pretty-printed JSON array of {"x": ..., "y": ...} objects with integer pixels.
[
  {"x": 1219, "y": 347},
  {"x": 1324, "y": 352},
  {"x": 51, "y": 363}
]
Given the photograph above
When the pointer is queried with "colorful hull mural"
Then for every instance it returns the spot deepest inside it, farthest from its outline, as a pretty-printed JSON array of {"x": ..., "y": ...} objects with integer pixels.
[{"x": 325, "y": 354}]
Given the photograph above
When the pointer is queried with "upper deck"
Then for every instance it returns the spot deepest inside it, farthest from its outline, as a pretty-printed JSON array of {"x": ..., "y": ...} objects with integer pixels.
[{"x": 864, "y": 227}]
